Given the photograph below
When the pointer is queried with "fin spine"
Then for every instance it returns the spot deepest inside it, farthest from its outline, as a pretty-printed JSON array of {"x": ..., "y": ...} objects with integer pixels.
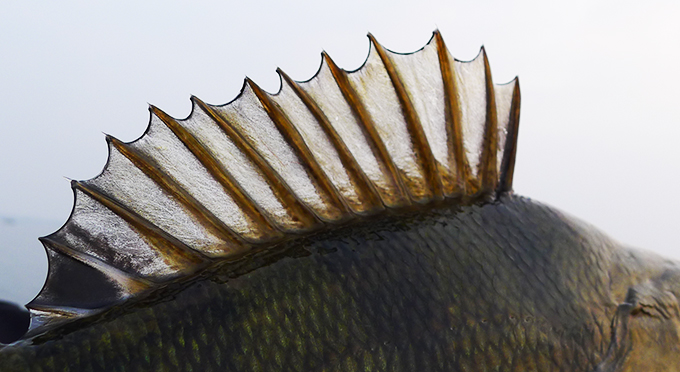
[
  {"x": 297, "y": 144},
  {"x": 510, "y": 151},
  {"x": 297, "y": 209},
  {"x": 422, "y": 148},
  {"x": 453, "y": 117},
  {"x": 200, "y": 212},
  {"x": 131, "y": 284},
  {"x": 488, "y": 162},
  {"x": 266, "y": 229},
  {"x": 401, "y": 197},
  {"x": 169, "y": 246},
  {"x": 58, "y": 311},
  {"x": 368, "y": 194}
]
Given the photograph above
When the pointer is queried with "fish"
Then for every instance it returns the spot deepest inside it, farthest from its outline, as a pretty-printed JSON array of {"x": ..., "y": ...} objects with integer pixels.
[{"x": 357, "y": 221}]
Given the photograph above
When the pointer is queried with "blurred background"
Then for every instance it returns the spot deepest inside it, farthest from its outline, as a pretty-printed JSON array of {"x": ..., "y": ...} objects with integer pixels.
[{"x": 600, "y": 117}]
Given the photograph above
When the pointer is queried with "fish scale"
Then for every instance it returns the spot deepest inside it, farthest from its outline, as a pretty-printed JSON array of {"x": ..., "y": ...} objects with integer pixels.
[{"x": 363, "y": 304}]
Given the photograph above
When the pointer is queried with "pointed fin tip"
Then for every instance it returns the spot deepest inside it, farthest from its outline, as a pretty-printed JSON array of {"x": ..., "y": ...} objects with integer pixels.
[
  {"x": 261, "y": 94},
  {"x": 284, "y": 77},
  {"x": 480, "y": 54},
  {"x": 153, "y": 109},
  {"x": 485, "y": 58},
  {"x": 373, "y": 42},
  {"x": 162, "y": 115}
]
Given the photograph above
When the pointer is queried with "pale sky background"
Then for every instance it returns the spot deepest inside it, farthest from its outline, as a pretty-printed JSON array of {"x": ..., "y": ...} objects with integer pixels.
[{"x": 600, "y": 119}]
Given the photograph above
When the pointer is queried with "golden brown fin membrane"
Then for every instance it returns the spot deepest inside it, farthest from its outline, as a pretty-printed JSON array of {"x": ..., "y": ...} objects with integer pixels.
[{"x": 402, "y": 130}]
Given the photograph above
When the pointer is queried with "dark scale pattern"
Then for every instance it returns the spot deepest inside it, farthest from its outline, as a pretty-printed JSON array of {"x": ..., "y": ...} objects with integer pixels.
[{"x": 509, "y": 286}]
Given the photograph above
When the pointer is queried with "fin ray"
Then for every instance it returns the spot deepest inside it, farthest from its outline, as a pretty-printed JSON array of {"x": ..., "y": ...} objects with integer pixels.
[
  {"x": 229, "y": 206},
  {"x": 163, "y": 177},
  {"x": 347, "y": 175},
  {"x": 169, "y": 247},
  {"x": 459, "y": 164},
  {"x": 507, "y": 165},
  {"x": 422, "y": 153},
  {"x": 488, "y": 166},
  {"x": 299, "y": 211},
  {"x": 394, "y": 196},
  {"x": 327, "y": 192}
]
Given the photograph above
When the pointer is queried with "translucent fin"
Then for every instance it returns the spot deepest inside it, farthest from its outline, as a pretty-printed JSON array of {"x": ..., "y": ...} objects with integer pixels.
[{"x": 404, "y": 130}]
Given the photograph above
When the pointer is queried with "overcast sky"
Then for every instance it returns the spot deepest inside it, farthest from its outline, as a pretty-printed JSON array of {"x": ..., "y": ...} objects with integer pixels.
[{"x": 600, "y": 116}]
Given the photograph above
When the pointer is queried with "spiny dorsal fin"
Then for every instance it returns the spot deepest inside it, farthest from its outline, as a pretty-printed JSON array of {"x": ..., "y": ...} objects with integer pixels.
[{"x": 402, "y": 130}]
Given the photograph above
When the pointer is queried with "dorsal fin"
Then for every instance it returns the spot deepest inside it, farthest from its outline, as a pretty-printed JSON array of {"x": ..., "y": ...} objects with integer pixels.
[{"x": 403, "y": 130}]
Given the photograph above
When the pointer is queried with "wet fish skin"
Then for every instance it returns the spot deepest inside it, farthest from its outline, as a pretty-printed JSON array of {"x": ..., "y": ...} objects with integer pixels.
[{"x": 507, "y": 286}]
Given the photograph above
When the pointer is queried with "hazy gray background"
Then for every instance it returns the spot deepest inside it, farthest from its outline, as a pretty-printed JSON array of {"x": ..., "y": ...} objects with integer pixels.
[{"x": 600, "y": 116}]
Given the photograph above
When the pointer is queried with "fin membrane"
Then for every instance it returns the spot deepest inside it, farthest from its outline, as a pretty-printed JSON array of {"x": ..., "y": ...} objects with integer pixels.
[{"x": 402, "y": 130}]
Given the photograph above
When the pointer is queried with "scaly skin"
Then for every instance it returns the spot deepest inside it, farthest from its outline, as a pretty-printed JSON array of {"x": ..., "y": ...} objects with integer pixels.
[{"x": 508, "y": 286}]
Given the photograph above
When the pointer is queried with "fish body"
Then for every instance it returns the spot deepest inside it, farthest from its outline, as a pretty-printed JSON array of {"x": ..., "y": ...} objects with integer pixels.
[
  {"x": 507, "y": 286},
  {"x": 396, "y": 244}
]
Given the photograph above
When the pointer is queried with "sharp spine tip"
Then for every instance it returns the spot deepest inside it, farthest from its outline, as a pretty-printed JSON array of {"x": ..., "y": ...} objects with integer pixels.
[{"x": 248, "y": 81}]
